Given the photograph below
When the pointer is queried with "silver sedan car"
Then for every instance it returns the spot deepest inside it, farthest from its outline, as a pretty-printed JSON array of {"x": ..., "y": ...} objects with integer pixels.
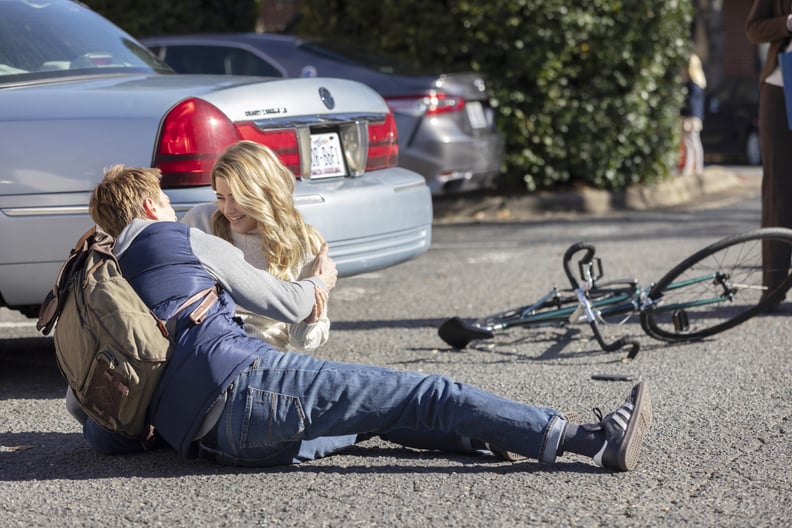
[
  {"x": 446, "y": 123},
  {"x": 77, "y": 94}
]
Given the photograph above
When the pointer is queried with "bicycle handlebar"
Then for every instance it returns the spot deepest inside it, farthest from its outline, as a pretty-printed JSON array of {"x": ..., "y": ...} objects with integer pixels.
[
  {"x": 573, "y": 249},
  {"x": 585, "y": 302},
  {"x": 616, "y": 345}
]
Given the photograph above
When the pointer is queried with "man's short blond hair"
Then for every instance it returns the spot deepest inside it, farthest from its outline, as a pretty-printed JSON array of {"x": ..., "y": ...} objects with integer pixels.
[{"x": 118, "y": 198}]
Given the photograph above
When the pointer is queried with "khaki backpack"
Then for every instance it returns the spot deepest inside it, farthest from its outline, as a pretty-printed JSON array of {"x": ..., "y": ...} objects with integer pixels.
[{"x": 110, "y": 347}]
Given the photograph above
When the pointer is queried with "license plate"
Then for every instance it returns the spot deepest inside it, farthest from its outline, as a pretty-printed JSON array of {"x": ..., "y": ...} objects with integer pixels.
[
  {"x": 327, "y": 159},
  {"x": 475, "y": 113}
]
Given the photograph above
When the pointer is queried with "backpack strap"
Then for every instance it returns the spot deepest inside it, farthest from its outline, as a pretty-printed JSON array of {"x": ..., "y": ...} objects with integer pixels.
[
  {"x": 53, "y": 303},
  {"x": 209, "y": 296},
  {"x": 103, "y": 243}
]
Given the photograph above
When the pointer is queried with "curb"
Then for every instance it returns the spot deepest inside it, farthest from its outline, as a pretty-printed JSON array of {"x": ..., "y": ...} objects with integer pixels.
[{"x": 714, "y": 181}]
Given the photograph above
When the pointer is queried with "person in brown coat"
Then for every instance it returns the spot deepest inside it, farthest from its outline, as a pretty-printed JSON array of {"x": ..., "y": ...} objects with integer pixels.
[{"x": 770, "y": 21}]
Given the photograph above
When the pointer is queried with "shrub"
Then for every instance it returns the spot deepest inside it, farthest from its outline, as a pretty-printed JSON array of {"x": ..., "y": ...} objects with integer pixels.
[
  {"x": 585, "y": 93},
  {"x": 148, "y": 17}
]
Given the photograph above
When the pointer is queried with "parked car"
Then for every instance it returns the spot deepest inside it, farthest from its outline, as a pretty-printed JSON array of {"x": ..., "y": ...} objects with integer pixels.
[
  {"x": 731, "y": 122},
  {"x": 446, "y": 122},
  {"x": 77, "y": 95}
]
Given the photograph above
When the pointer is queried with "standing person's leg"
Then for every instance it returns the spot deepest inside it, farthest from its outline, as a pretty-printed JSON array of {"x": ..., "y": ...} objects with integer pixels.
[
  {"x": 698, "y": 146},
  {"x": 285, "y": 401},
  {"x": 775, "y": 138},
  {"x": 689, "y": 143}
]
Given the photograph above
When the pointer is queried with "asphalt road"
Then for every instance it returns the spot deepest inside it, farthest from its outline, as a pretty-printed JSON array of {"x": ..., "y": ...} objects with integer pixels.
[{"x": 718, "y": 455}]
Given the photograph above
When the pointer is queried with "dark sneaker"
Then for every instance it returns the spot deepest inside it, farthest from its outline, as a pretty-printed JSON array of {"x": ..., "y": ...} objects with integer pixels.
[{"x": 625, "y": 429}]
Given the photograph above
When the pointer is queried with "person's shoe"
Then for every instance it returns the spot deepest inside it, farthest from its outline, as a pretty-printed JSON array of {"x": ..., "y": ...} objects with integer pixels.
[
  {"x": 625, "y": 429},
  {"x": 509, "y": 456}
]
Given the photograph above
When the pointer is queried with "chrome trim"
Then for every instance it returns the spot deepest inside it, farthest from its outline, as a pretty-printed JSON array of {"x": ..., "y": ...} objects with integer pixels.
[
  {"x": 64, "y": 210},
  {"x": 324, "y": 119},
  {"x": 46, "y": 211},
  {"x": 409, "y": 186},
  {"x": 184, "y": 208},
  {"x": 309, "y": 199},
  {"x": 303, "y": 125},
  {"x": 304, "y": 147}
]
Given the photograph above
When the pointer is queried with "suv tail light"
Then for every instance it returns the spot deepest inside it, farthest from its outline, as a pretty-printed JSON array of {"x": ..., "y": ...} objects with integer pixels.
[
  {"x": 195, "y": 133},
  {"x": 432, "y": 103}
]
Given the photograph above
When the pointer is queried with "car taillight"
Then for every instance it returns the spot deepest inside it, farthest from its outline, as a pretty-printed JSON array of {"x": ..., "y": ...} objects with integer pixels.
[
  {"x": 282, "y": 141},
  {"x": 432, "y": 103},
  {"x": 383, "y": 147},
  {"x": 193, "y": 135}
]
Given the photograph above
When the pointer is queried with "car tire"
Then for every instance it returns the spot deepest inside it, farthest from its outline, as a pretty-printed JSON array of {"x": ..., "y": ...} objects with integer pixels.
[{"x": 753, "y": 152}]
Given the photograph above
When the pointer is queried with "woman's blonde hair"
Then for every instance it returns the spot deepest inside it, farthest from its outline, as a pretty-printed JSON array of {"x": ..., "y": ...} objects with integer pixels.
[
  {"x": 695, "y": 71},
  {"x": 264, "y": 188}
]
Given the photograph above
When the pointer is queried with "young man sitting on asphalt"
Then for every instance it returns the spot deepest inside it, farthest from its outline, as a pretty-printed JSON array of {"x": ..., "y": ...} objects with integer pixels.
[{"x": 237, "y": 400}]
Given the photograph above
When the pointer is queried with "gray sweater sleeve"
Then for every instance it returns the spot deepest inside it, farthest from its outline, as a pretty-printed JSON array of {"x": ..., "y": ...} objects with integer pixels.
[{"x": 252, "y": 288}]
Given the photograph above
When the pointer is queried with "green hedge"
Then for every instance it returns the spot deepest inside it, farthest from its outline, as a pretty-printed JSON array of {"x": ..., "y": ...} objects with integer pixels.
[
  {"x": 155, "y": 17},
  {"x": 586, "y": 93}
]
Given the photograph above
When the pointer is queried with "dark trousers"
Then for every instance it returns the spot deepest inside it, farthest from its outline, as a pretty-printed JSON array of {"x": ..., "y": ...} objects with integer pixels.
[{"x": 776, "y": 144}]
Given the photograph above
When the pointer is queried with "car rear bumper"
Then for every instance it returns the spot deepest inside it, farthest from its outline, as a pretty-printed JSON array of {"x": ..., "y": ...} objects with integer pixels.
[{"x": 461, "y": 163}]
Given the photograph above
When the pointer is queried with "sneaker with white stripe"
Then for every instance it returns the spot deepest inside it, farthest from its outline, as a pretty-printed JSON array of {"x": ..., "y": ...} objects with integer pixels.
[{"x": 625, "y": 429}]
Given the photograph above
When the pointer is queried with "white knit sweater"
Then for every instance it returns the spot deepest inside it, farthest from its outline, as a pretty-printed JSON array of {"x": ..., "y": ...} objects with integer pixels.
[{"x": 300, "y": 337}]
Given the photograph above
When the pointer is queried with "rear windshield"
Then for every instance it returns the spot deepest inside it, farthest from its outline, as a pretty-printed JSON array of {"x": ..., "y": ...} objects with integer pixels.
[{"x": 58, "y": 38}]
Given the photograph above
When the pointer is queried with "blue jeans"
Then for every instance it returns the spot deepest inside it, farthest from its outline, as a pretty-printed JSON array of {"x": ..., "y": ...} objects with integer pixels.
[{"x": 288, "y": 408}]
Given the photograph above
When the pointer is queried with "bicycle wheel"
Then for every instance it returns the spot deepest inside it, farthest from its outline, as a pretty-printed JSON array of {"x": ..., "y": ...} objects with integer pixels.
[{"x": 714, "y": 289}]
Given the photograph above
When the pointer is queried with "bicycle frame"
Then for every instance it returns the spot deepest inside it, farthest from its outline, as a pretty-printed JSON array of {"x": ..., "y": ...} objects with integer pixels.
[
  {"x": 594, "y": 303},
  {"x": 622, "y": 301}
]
